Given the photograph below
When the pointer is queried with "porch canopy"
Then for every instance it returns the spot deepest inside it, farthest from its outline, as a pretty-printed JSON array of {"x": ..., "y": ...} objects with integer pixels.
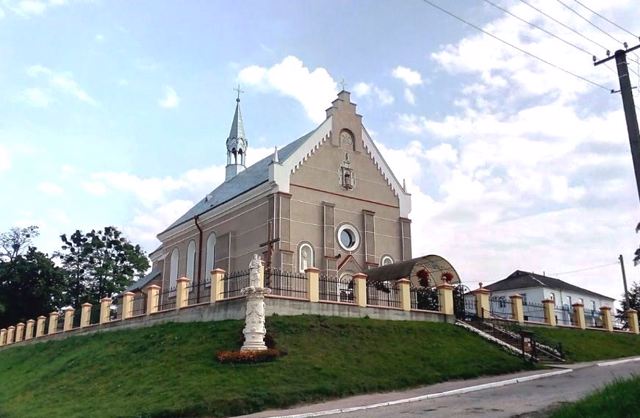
[{"x": 427, "y": 271}]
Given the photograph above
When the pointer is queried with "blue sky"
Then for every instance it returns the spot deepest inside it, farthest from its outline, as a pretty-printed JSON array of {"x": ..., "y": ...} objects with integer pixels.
[{"x": 116, "y": 113}]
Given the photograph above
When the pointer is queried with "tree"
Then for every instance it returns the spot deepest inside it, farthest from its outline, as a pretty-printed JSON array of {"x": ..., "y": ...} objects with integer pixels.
[
  {"x": 100, "y": 263},
  {"x": 16, "y": 241},
  {"x": 634, "y": 302}
]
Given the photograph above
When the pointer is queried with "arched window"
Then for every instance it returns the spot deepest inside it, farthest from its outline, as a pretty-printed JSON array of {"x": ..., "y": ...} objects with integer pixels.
[
  {"x": 173, "y": 272},
  {"x": 345, "y": 288},
  {"x": 305, "y": 257},
  {"x": 386, "y": 260},
  {"x": 191, "y": 260},
  {"x": 211, "y": 253}
]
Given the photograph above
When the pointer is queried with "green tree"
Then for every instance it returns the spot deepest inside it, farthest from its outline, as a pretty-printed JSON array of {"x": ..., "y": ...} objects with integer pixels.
[{"x": 16, "y": 241}]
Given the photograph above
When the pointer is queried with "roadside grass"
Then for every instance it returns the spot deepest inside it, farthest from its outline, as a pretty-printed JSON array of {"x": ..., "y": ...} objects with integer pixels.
[
  {"x": 170, "y": 370},
  {"x": 589, "y": 345},
  {"x": 620, "y": 399}
]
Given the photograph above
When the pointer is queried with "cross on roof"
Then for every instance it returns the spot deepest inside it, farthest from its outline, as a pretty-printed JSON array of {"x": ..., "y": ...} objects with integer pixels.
[
  {"x": 237, "y": 89},
  {"x": 343, "y": 84}
]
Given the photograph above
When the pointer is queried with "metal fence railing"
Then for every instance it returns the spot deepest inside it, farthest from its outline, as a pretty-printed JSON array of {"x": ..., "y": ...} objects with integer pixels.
[
  {"x": 233, "y": 283},
  {"x": 193, "y": 294},
  {"x": 533, "y": 312},
  {"x": 593, "y": 318},
  {"x": 383, "y": 293},
  {"x": 332, "y": 289},
  {"x": 167, "y": 300},
  {"x": 564, "y": 315},
  {"x": 501, "y": 307},
  {"x": 424, "y": 298},
  {"x": 139, "y": 304},
  {"x": 288, "y": 284}
]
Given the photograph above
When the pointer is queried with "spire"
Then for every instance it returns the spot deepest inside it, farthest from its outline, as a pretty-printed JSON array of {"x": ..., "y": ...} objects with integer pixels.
[
  {"x": 275, "y": 159},
  {"x": 236, "y": 142}
]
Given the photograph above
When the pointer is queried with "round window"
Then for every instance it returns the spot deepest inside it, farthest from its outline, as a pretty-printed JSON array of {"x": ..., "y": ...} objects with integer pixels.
[{"x": 348, "y": 237}]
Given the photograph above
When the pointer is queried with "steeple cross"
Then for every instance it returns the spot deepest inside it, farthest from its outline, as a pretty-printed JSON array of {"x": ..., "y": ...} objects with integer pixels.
[
  {"x": 237, "y": 89},
  {"x": 343, "y": 84}
]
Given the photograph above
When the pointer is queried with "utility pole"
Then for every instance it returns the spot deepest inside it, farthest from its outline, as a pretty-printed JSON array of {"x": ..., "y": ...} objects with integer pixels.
[
  {"x": 624, "y": 280},
  {"x": 628, "y": 105}
]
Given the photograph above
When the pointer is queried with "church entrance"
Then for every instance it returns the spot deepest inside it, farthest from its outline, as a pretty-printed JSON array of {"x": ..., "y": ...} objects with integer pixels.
[{"x": 459, "y": 302}]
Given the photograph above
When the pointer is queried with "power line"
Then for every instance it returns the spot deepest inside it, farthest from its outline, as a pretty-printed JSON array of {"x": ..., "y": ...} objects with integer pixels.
[
  {"x": 589, "y": 22},
  {"x": 585, "y": 269},
  {"x": 514, "y": 46},
  {"x": 604, "y": 18}
]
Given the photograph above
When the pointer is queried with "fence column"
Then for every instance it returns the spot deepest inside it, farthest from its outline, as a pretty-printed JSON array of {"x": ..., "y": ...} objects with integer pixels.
[
  {"x": 182, "y": 293},
  {"x": 85, "y": 315},
  {"x": 404, "y": 285},
  {"x": 483, "y": 307},
  {"x": 153, "y": 299},
  {"x": 217, "y": 275},
  {"x": 40, "y": 326},
  {"x": 578, "y": 315},
  {"x": 19, "y": 332},
  {"x": 105, "y": 310},
  {"x": 68, "y": 319},
  {"x": 53, "y": 323},
  {"x": 549, "y": 312},
  {"x": 360, "y": 289},
  {"x": 517, "y": 310},
  {"x": 632, "y": 319},
  {"x": 11, "y": 332},
  {"x": 127, "y": 305},
  {"x": 445, "y": 298},
  {"x": 29, "y": 332},
  {"x": 313, "y": 283},
  {"x": 3, "y": 337},
  {"x": 607, "y": 321}
]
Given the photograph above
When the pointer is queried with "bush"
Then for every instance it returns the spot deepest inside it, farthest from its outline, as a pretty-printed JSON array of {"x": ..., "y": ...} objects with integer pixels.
[{"x": 239, "y": 357}]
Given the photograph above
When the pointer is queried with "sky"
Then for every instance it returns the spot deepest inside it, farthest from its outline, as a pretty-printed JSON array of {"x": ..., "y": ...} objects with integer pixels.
[{"x": 117, "y": 112}]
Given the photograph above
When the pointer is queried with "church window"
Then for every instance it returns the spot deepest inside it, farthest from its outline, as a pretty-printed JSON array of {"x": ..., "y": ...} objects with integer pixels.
[
  {"x": 305, "y": 257},
  {"x": 386, "y": 260},
  {"x": 173, "y": 269},
  {"x": 191, "y": 259},
  {"x": 211, "y": 248},
  {"x": 348, "y": 237}
]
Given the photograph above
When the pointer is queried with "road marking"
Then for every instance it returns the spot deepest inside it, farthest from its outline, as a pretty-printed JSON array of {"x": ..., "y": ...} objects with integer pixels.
[
  {"x": 615, "y": 362},
  {"x": 430, "y": 395}
]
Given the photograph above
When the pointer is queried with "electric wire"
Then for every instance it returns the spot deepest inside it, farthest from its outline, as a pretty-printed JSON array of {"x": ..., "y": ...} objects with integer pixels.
[
  {"x": 604, "y": 18},
  {"x": 589, "y": 22},
  {"x": 585, "y": 269},
  {"x": 443, "y": 10}
]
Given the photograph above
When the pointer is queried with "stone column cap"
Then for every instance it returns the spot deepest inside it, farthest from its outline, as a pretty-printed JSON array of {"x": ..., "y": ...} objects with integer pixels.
[
  {"x": 128, "y": 293},
  {"x": 42, "y": 317},
  {"x": 105, "y": 299},
  {"x": 605, "y": 308},
  {"x": 11, "y": 327},
  {"x": 87, "y": 304},
  {"x": 631, "y": 310},
  {"x": 481, "y": 290},
  {"x": 3, "y": 330},
  {"x": 403, "y": 280},
  {"x": 54, "y": 313},
  {"x": 31, "y": 320},
  {"x": 516, "y": 296},
  {"x": 69, "y": 309},
  {"x": 153, "y": 286},
  {"x": 217, "y": 270},
  {"x": 548, "y": 301},
  {"x": 183, "y": 279},
  {"x": 360, "y": 276},
  {"x": 578, "y": 304},
  {"x": 444, "y": 286},
  {"x": 20, "y": 323},
  {"x": 312, "y": 270}
]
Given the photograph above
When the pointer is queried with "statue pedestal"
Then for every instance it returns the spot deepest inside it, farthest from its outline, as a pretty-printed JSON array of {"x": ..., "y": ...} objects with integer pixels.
[{"x": 254, "y": 329}]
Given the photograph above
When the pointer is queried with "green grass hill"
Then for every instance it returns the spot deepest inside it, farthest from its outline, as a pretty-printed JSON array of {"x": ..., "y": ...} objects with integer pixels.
[{"x": 170, "y": 370}]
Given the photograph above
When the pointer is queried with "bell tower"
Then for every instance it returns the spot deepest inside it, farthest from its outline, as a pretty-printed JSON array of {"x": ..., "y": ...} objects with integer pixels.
[{"x": 236, "y": 143}]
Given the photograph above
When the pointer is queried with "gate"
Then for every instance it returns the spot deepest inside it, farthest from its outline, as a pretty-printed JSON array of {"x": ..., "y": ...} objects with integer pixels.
[{"x": 460, "y": 307}]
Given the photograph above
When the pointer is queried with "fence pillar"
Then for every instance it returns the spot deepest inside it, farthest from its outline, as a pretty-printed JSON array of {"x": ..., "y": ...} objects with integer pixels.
[
  {"x": 578, "y": 315},
  {"x": 445, "y": 298},
  {"x": 153, "y": 298},
  {"x": 127, "y": 305},
  {"x": 40, "y": 323},
  {"x": 105, "y": 310},
  {"x": 11, "y": 332},
  {"x": 517, "y": 309},
  {"x": 360, "y": 289},
  {"x": 607, "y": 321},
  {"x": 313, "y": 283},
  {"x": 3, "y": 337},
  {"x": 549, "y": 312},
  {"x": 182, "y": 293},
  {"x": 483, "y": 307},
  {"x": 632, "y": 319},
  {"x": 53, "y": 323},
  {"x": 28, "y": 335},
  {"x": 19, "y": 332},
  {"x": 68, "y": 319},
  {"x": 85, "y": 315},
  {"x": 404, "y": 286},
  {"x": 217, "y": 275}
]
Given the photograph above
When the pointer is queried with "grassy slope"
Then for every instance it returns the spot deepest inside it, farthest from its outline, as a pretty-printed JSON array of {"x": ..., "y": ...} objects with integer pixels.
[
  {"x": 617, "y": 400},
  {"x": 170, "y": 370},
  {"x": 590, "y": 345}
]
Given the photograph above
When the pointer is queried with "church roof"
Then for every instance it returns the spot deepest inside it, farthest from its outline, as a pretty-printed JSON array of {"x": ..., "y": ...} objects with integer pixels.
[
  {"x": 523, "y": 279},
  {"x": 142, "y": 282},
  {"x": 246, "y": 180},
  {"x": 237, "y": 126}
]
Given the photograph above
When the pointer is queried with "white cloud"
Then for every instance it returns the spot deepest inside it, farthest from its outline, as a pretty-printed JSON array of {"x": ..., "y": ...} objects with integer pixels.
[
  {"x": 170, "y": 100},
  {"x": 5, "y": 159},
  {"x": 50, "y": 188},
  {"x": 381, "y": 96},
  {"x": 59, "y": 81},
  {"x": 409, "y": 96},
  {"x": 361, "y": 89},
  {"x": 99, "y": 37},
  {"x": 29, "y": 8},
  {"x": 291, "y": 78},
  {"x": 36, "y": 97},
  {"x": 407, "y": 75}
]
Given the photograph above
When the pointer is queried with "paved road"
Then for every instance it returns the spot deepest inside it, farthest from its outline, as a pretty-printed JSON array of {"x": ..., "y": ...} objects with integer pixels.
[{"x": 525, "y": 399}]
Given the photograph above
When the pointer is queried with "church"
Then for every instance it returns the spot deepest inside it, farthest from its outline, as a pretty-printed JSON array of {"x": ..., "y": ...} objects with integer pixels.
[{"x": 327, "y": 200}]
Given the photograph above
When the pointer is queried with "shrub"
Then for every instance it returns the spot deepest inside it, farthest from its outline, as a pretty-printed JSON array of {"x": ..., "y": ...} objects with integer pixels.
[{"x": 240, "y": 357}]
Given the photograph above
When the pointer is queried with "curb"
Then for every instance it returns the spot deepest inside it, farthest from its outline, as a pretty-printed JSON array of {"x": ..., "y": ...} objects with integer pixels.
[
  {"x": 430, "y": 395},
  {"x": 616, "y": 362}
]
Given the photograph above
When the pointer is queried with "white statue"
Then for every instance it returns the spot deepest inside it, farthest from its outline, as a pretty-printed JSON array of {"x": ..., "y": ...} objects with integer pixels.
[{"x": 254, "y": 329}]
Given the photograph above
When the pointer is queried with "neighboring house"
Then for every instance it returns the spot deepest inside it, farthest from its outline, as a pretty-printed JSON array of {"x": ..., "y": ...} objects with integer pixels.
[
  {"x": 534, "y": 288},
  {"x": 327, "y": 200}
]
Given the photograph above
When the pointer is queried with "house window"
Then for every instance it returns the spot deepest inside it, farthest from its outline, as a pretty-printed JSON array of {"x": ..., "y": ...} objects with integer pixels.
[
  {"x": 524, "y": 298},
  {"x": 568, "y": 299},
  {"x": 348, "y": 237},
  {"x": 593, "y": 305},
  {"x": 173, "y": 269},
  {"x": 386, "y": 260},
  {"x": 211, "y": 253},
  {"x": 191, "y": 259},
  {"x": 305, "y": 257},
  {"x": 552, "y": 297}
]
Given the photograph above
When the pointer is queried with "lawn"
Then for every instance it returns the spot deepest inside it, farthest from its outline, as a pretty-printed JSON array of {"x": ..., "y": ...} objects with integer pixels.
[
  {"x": 590, "y": 345},
  {"x": 620, "y": 399},
  {"x": 170, "y": 370}
]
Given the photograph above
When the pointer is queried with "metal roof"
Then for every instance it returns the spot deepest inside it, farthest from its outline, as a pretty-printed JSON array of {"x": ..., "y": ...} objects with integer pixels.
[
  {"x": 523, "y": 279},
  {"x": 143, "y": 281},
  {"x": 434, "y": 264}
]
